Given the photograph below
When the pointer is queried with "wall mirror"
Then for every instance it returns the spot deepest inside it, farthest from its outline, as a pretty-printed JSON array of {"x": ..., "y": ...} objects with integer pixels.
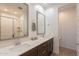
[
  {"x": 40, "y": 23},
  {"x": 13, "y": 20}
]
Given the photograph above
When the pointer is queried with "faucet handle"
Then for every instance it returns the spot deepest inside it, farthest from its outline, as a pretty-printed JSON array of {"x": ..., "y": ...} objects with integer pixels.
[{"x": 33, "y": 38}]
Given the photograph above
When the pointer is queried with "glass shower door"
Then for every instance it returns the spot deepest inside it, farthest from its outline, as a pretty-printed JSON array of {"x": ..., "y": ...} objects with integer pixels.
[{"x": 6, "y": 28}]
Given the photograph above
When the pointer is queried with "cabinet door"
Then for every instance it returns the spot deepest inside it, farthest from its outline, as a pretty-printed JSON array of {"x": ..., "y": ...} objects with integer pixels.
[
  {"x": 32, "y": 52},
  {"x": 43, "y": 49},
  {"x": 51, "y": 46}
]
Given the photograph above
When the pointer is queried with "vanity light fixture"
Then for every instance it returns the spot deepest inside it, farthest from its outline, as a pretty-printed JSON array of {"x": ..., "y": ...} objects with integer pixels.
[
  {"x": 15, "y": 12},
  {"x": 5, "y": 9}
]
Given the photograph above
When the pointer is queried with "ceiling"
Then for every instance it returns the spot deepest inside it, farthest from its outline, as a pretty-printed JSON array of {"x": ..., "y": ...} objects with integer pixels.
[
  {"x": 54, "y": 5},
  {"x": 17, "y": 9},
  {"x": 13, "y": 7}
]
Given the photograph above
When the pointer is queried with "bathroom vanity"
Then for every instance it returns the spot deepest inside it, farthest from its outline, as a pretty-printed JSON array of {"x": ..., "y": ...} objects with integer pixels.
[{"x": 44, "y": 49}]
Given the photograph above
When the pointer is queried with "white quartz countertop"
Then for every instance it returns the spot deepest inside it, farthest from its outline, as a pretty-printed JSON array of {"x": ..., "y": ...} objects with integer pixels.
[{"x": 16, "y": 50}]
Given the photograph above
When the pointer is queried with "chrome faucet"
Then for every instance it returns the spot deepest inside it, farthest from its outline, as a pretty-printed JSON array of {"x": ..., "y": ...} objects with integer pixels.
[
  {"x": 17, "y": 42},
  {"x": 34, "y": 38}
]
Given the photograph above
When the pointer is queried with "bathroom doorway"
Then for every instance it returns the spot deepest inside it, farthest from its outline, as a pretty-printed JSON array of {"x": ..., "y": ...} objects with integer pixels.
[{"x": 67, "y": 30}]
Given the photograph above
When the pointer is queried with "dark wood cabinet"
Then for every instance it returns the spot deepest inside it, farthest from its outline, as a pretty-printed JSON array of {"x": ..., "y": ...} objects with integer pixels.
[
  {"x": 50, "y": 46},
  {"x": 44, "y": 49},
  {"x": 32, "y": 52}
]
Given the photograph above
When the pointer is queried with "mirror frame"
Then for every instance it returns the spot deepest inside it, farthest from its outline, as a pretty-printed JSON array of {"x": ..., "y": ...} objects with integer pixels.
[{"x": 38, "y": 33}]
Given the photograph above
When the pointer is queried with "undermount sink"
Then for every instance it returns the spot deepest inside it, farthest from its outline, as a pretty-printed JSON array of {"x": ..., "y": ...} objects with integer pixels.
[
  {"x": 14, "y": 48},
  {"x": 20, "y": 47}
]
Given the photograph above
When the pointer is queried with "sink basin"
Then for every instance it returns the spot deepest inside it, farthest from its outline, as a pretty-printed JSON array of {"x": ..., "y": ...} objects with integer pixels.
[
  {"x": 13, "y": 49},
  {"x": 33, "y": 42},
  {"x": 19, "y": 47}
]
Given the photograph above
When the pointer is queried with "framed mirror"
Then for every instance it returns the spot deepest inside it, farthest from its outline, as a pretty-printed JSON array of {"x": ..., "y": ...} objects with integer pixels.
[
  {"x": 13, "y": 20},
  {"x": 40, "y": 23}
]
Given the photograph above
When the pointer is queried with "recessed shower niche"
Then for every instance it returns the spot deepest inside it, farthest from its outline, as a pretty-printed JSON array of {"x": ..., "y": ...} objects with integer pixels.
[{"x": 13, "y": 20}]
